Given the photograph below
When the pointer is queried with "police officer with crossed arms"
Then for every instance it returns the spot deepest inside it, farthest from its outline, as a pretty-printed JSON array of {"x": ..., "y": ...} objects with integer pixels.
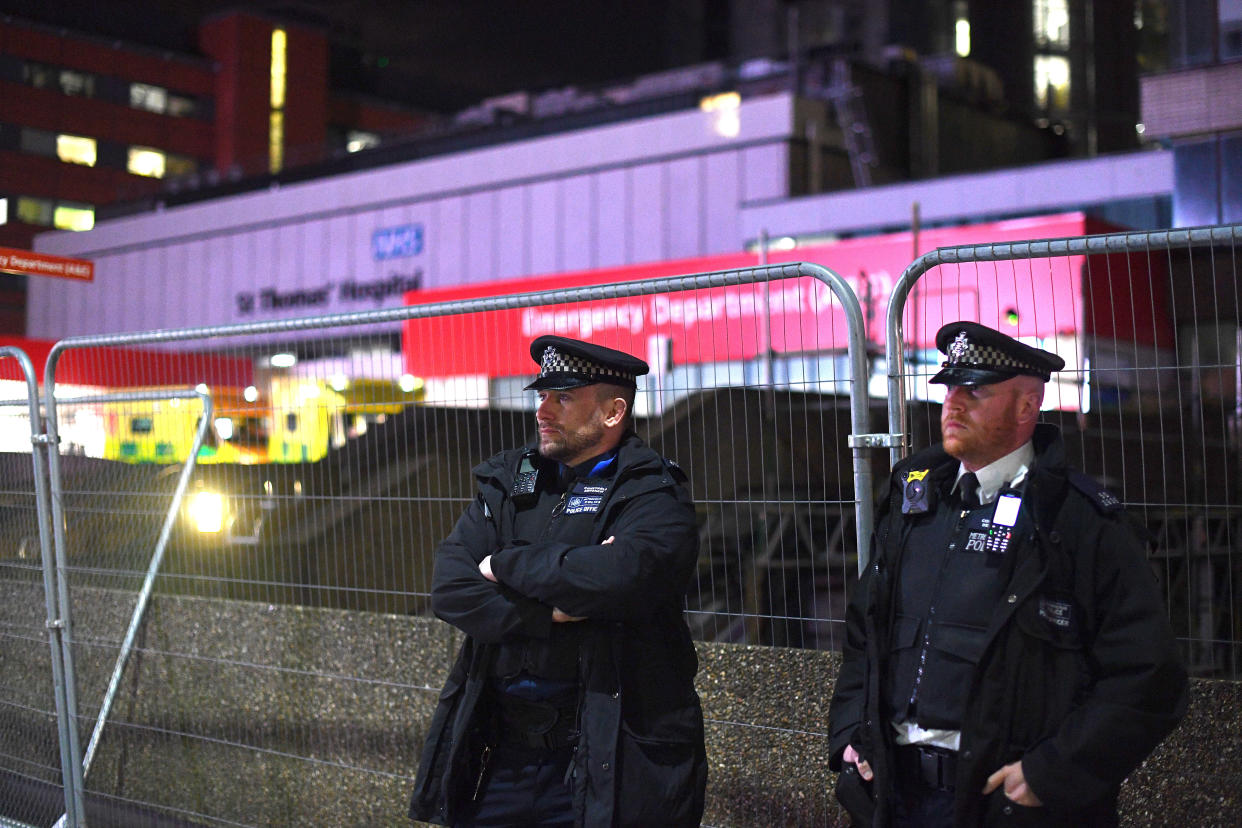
[
  {"x": 572, "y": 701},
  {"x": 1008, "y": 658}
]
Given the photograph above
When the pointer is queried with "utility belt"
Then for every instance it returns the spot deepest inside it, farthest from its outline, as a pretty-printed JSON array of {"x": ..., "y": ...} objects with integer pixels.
[
  {"x": 546, "y": 724},
  {"x": 926, "y": 766}
]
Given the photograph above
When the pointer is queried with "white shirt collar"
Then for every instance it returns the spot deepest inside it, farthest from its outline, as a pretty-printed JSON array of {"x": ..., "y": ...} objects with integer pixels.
[{"x": 1010, "y": 470}]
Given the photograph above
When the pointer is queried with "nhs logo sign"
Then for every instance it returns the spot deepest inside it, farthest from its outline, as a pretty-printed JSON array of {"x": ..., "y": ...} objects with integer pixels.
[{"x": 396, "y": 242}]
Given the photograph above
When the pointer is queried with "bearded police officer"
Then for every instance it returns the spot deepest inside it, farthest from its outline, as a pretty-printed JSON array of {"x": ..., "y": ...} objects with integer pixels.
[
  {"x": 572, "y": 701},
  {"x": 1008, "y": 659}
]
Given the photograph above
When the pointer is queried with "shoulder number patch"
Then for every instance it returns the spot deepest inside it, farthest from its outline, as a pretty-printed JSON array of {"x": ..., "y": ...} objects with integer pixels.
[{"x": 1103, "y": 499}]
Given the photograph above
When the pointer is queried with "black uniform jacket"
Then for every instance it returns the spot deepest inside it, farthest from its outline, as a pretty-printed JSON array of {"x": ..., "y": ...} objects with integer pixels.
[
  {"x": 640, "y": 757},
  {"x": 1078, "y": 678}
]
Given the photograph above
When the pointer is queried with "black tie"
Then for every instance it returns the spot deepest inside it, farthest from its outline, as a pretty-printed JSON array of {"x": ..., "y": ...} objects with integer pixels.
[{"x": 968, "y": 487}]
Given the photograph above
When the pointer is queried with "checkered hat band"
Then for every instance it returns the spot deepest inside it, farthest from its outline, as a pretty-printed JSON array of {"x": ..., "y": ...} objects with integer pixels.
[
  {"x": 985, "y": 356},
  {"x": 555, "y": 362}
]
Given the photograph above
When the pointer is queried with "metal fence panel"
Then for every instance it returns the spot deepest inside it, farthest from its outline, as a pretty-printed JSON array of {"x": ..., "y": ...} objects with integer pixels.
[
  {"x": 1150, "y": 402},
  {"x": 36, "y": 750},
  {"x": 328, "y": 483}
]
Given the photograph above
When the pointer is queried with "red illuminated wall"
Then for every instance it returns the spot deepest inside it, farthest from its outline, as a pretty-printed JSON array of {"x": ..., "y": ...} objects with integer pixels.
[
  {"x": 129, "y": 367},
  {"x": 1047, "y": 297}
]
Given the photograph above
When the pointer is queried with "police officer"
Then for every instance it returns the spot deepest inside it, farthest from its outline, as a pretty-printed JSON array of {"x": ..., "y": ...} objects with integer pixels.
[
  {"x": 572, "y": 701},
  {"x": 1008, "y": 659}
]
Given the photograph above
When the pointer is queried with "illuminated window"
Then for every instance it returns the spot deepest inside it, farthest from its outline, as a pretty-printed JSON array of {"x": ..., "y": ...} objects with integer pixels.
[
  {"x": 181, "y": 107},
  {"x": 34, "y": 211},
  {"x": 4, "y": 211},
  {"x": 1051, "y": 23},
  {"x": 175, "y": 165},
  {"x": 276, "y": 141},
  {"x": 73, "y": 217},
  {"x": 75, "y": 149},
  {"x": 38, "y": 75},
  {"x": 276, "y": 129},
  {"x": 724, "y": 111},
  {"x": 146, "y": 161},
  {"x": 961, "y": 28},
  {"x": 77, "y": 83},
  {"x": 279, "y": 41},
  {"x": 961, "y": 38},
  {"x": 148, "y": 97},
  {"x": 356, "y": 140},
  {"x": 1052, "y": 82}
]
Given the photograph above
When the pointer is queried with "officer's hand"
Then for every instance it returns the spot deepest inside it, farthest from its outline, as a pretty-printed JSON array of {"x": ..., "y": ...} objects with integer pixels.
[
  {"x": 485, "y": 566},
  {"x": 864, "y": 769},
  {"x": 1016, "y": 789}
]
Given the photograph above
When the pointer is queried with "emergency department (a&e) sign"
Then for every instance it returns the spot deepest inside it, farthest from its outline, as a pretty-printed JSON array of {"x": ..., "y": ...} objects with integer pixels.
[{"x": 28, "y": 263}]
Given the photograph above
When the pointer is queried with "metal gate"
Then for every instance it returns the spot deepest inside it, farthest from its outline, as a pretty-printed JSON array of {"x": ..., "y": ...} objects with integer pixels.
[{"x": 1150, "y": 402}]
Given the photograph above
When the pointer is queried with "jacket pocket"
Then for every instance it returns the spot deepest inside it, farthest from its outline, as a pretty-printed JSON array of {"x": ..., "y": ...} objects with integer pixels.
[
  {"x": 856, "y": 796},
  {"x": 961, "y": 641},
  {"x": 1002, "y": 812},
  {"x": 427, "y": 801},
  {"x": 905, "y": 632},
  {"x": 661, "y": 782}
]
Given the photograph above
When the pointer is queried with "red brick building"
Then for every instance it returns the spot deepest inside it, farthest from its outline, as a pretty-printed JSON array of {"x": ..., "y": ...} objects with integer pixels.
[{"x": 87, "y": 121}]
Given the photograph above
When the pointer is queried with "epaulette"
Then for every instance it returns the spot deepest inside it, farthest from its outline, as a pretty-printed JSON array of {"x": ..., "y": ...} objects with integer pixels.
[
  {"x": 1102, "y": 498},
  {"x": 676, "y": 471}
]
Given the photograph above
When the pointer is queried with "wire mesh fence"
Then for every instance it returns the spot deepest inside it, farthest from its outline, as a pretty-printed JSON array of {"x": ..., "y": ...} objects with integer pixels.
[
  {"x": 338, "y": 452},
  {"x": 32, "y": 715},
  {"x": 333, "y": 468},
  {"x": 29, "y": 752},
  {"x": 1150, "y": 402}
]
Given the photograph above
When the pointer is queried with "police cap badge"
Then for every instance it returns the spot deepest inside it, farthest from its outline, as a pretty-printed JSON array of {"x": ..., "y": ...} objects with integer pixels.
[
  {"x": 979, "y": 355},
  {"x": 571, "y": 363}
]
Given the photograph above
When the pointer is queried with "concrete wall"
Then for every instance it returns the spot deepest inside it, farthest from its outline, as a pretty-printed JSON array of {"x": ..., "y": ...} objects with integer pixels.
[{"x": 271, "y": 715}]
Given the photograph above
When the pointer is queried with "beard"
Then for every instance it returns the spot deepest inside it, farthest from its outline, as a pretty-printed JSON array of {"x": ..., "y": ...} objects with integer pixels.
[
  {"x": 568, "y": 446},
  {"x": 980, "y": 442}
]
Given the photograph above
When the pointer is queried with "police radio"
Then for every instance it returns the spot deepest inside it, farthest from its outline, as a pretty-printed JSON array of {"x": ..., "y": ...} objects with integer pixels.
[
  {"x": 526, "y": 481},
  {"x": 1000, "y": 530}
]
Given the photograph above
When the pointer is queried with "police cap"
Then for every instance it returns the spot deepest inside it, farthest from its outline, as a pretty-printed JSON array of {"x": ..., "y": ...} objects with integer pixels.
[
  {"x": 571, "y": 363},
  {"x": 979, "y": 355}
]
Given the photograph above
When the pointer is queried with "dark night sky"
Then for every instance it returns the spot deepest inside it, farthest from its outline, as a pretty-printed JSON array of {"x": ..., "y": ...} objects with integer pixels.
[{"x": 437, "y": 54}]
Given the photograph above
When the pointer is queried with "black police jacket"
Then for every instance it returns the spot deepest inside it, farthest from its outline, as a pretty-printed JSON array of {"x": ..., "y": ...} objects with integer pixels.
[
  {"x": 1078, "y": 678},
  {"x": 640, "y": 758}
]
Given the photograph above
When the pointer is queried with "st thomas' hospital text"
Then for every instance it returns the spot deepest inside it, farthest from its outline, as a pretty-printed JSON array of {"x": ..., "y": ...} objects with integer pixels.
[{"x": 378, "y": 292}]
